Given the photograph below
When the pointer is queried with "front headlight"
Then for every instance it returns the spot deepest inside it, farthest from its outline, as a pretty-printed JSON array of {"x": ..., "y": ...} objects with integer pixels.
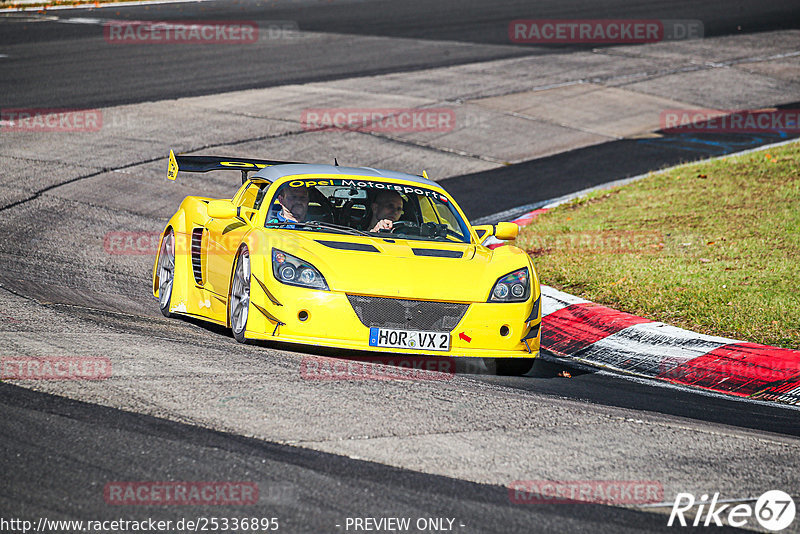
[
  {"x": 513, "y": 287},
  {"x": 293, "y": 271}
]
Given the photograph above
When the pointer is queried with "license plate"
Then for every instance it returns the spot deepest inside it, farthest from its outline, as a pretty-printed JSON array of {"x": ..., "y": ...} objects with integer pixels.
[{"x": 409, "y": 339}]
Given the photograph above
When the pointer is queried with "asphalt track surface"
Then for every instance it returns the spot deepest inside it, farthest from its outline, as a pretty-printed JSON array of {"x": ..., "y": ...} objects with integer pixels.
[
  {"x": 52, "y": 64},
  {"x": 53, "y": 445},
  {"x": 309, "y": 491}
]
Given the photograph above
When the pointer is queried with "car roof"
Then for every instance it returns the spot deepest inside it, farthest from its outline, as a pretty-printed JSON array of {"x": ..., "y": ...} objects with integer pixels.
[{"x": 275, "y": 172}]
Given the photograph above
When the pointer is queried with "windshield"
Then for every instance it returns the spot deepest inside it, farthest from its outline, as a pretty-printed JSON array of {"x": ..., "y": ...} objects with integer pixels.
[{"x": 366, "y": 207}]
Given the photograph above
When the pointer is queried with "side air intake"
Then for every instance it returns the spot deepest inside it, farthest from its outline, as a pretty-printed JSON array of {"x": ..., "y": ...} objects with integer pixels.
[{"x": 197, "y": 255}]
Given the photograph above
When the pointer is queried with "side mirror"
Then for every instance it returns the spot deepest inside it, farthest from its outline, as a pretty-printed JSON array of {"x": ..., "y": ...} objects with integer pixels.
[
  {"x": 221, "y": 209},
  {"x": 504, "y": 231}
]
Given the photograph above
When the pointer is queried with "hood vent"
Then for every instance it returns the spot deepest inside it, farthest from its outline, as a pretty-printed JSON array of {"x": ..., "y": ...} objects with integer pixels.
[
  {"x": 344, "y": 245},
  {"x": 438, "y": 253}
]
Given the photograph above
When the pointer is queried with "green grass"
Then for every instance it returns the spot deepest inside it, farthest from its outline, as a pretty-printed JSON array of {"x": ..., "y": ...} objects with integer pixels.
[{"x": 712, "y": 247}]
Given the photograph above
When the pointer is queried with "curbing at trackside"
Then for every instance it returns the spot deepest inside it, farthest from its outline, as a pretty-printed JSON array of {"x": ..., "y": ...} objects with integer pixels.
[
  {"x": 576, "y": 329},
  {"x": 585, "y": 332}
]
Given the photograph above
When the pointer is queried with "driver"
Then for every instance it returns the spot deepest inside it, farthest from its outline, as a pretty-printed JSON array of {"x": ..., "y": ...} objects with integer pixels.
[
  {"x": 294, "y": 204},
  {"x": 386, "y": 210}
]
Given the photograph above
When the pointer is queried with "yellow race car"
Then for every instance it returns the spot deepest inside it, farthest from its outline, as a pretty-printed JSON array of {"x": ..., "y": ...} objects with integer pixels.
[{"x": 352, "y": 258}]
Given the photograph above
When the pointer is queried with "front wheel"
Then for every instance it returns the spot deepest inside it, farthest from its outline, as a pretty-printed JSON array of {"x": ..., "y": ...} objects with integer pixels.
[
  {"x": 166, "y": 272},
  {"x": 513, "y": 366},
  {"x": 239, "y": 302}
]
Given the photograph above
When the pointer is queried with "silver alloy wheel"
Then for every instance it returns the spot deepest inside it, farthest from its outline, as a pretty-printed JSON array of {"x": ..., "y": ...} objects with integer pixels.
[
  {"x": 166, "y": 272},
  {"x": 240, "y": 295}
]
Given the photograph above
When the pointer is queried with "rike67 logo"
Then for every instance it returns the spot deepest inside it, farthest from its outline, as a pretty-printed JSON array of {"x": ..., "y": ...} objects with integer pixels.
[{"x": 774, "y": 511}]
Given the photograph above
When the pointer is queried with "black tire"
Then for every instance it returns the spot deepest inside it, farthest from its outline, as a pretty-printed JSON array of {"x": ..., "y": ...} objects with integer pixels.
[
  {"x": 239, "y": 297},
  {"x": 166, "y": 272},
  {"x": 513, "y": 366}
]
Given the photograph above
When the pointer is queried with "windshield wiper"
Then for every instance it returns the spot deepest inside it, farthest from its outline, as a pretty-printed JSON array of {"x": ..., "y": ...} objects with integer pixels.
[
  {"x": 341, "y": 227},
  {"x": 318, "y": 225}
]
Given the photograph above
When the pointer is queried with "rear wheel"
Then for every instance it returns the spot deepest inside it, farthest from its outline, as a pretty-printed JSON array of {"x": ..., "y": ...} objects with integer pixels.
[
  {"x": 166, "y": 272},
  {"x": 239, "y": 302},
  {"x": 513, "y": 366}
]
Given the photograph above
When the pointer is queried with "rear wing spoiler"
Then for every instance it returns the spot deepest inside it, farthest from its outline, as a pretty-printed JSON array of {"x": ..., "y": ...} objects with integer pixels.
[{"x": 216, "y": 163}]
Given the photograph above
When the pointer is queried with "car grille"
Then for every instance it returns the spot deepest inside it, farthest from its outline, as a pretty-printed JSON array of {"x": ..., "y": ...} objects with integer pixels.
[{"x": 407, "y": 314}]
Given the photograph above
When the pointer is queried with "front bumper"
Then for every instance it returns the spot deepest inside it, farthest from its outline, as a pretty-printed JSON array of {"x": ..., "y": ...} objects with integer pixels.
[{"x": 327, "y": 319}]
